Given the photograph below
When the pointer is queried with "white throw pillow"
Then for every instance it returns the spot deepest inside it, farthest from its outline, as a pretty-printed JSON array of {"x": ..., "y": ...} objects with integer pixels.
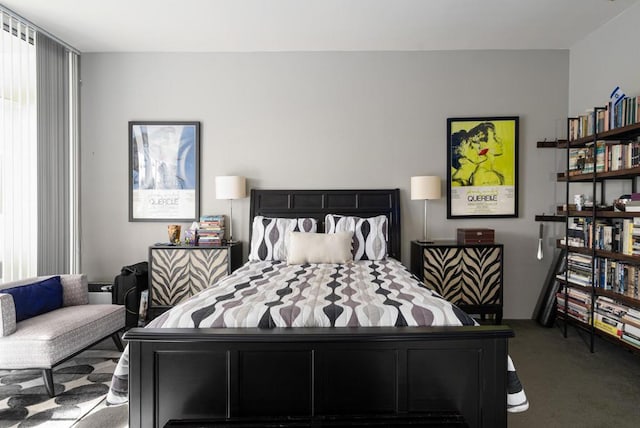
[{"x": 319, "y": 248}]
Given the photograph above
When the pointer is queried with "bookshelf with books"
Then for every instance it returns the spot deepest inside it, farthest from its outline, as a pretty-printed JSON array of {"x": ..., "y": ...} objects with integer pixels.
[{"x": 600, "y": 283}]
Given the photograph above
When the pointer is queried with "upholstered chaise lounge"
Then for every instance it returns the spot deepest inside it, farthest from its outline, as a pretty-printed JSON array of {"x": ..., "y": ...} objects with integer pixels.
[{"x": 45, "y": 321}]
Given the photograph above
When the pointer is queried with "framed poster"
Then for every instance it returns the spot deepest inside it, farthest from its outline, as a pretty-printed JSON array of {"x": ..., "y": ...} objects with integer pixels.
[
  {"x": 164, "y": 171},
  {"x": 482, "y": 173}
]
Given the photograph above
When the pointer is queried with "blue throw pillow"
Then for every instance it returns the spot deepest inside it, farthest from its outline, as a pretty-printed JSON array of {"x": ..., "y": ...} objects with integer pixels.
[{"x": 37, "y": 298}]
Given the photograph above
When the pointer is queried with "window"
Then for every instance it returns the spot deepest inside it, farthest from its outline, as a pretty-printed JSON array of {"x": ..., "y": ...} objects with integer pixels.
[{"x": 18, "y": 150}]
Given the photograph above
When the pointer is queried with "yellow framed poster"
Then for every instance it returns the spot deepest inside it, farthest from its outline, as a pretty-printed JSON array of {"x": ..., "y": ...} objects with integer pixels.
[{"x": 482, "y": 173}]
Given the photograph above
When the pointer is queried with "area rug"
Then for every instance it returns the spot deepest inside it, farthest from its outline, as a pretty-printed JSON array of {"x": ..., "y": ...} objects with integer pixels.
[{"x": 81, "y": 385}]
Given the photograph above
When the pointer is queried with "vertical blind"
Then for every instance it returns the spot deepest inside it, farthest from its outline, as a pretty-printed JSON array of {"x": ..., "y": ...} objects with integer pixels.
[
  {"x": 53, "y": 157},
  {"x": 18, "y": 152}
]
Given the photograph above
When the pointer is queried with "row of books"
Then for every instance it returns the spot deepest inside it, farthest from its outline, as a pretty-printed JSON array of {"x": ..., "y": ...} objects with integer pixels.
[
  {"x": 615, "y": 235},
  {"x": 612, "y": 275},
  {"x": 609, "y": 316},
  {"x": 623, "y": 113},
  {"x": 617, "y": 319},
  {"x": 604, "y": 157}
]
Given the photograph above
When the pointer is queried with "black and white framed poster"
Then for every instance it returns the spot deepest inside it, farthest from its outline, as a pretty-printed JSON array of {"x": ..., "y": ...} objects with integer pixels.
[
  {"x": 482, "y": 172},
  {"x": 164, "y": 171}
]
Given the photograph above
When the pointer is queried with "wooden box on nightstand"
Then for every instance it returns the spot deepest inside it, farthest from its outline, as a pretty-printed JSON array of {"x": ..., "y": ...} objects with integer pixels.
[{"x": 468, "y": 275}]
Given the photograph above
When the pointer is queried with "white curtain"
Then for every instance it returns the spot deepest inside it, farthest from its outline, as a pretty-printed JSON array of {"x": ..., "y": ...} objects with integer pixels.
[{"x": 18, "y": 150}]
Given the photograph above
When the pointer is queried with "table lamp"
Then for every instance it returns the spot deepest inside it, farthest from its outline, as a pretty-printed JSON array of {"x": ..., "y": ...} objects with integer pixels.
[
  {"x": 231, "y": 187},
  {"x": 425, "y": 187}
]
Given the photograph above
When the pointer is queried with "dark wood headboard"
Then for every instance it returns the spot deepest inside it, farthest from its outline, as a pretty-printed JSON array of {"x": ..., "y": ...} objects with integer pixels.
[{"x": 318, "y": 203}]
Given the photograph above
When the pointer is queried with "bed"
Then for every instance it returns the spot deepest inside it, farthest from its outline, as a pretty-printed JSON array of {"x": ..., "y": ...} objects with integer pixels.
[{"x": 238, "y": 372}]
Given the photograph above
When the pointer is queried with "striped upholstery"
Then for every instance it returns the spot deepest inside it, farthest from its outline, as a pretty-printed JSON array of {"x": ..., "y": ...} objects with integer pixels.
[
  {"x": 7, "y": 315},
  {"x": 43, "y": 341}
]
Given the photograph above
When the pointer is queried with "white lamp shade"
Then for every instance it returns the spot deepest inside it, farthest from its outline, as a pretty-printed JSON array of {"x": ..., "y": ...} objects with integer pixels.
[
  {"x": 231, "y": 187},
  {"x": 426, "y": 187}
]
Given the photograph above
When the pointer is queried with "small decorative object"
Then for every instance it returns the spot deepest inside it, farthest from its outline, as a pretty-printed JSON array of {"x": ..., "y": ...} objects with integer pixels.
[
  {"x": 231, "y": 187},
  {"x": 482, "y": 167},
  {"x": 425, "y": 188},
  {"x": 617, "y": 95},
  {"x": 539, "y": 254},
  {"x": 174, "y": 233},
  {"x": 191, "y": 234},
  {"x": 475, "y": 236},
  {"x": 621, "y": 203},
  {"x": 578, "y": 200}
]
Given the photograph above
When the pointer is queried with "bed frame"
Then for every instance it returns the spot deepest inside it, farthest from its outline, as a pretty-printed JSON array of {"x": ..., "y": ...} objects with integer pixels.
[{"x": 431, "y": 376}]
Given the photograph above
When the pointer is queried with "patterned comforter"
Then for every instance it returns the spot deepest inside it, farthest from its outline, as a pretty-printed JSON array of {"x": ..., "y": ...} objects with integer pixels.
[{"x": 273, "y": 294}]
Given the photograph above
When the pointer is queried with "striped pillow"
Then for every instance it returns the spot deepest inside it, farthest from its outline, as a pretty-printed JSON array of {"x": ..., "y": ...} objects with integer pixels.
[
  {"x": 270, "y": 236},
  {"x": 370, "y": 235}
]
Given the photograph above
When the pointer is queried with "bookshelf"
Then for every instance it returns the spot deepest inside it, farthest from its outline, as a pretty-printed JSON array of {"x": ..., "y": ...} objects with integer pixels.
[{"x": 600, "y": 279}]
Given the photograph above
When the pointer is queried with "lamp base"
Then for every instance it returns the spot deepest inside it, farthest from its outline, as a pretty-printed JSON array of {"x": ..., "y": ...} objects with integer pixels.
[{"x": 424, "y": 241}]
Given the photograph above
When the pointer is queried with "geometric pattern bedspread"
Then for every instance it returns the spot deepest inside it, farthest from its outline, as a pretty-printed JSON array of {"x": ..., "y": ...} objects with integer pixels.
[
  {"x": 360, "y": 294},
  {"x": 268, "y": 294}
]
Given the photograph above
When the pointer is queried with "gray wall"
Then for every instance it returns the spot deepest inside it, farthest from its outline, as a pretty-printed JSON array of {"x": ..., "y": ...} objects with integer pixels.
[
  {"x": 607, "y": 58},
  {"x": 321, "y": 120}
]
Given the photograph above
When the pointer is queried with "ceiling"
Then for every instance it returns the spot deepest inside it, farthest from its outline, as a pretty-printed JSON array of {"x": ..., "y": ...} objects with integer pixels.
[{"x": 317, "y": 25}]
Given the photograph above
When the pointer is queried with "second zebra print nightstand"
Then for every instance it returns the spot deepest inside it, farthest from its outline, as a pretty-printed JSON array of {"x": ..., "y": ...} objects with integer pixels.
[
  {"x": 470, "y": 276},
  {"x": 178, "y": 272}
]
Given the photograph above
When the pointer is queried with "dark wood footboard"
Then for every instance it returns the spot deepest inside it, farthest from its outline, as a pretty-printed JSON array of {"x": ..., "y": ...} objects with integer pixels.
[{"x": 318, "y": 374}]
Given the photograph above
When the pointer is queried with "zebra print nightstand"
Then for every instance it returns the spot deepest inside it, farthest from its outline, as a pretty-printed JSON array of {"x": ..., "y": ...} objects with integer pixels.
[
  {"x": 469, "y": 276},
  {"x": 178, "y": 272}
]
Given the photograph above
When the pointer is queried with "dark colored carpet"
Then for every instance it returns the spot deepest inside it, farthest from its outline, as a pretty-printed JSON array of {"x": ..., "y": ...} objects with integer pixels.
[{"x": 568, "y": 386}]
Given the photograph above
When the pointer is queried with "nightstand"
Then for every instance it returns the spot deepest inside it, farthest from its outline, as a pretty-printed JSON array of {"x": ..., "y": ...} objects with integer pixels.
[
  {"x": 178, "y": 272},
  {"x": 468, "y": 275}
]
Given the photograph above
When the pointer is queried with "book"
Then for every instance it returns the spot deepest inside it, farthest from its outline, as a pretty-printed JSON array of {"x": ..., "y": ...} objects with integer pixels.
[
  {"x": 631, "y": 329},
  {"x": 142, "y": 312},
  {"x": 628, "y": 319},
  {"x": 631, "y": 340},
  {"x": 632, "y": 206},
  {"x": 599, "y": 156},
  {"x": 607, "y": 324},
  {"x": 633, "y": 313},
  {"x": 210, "y": 217},
  {"x": 610, "y": 308}
]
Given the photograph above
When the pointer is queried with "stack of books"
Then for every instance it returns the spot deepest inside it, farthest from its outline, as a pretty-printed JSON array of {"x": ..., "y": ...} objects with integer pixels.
[
  {"x": 631, "y": 328},
  {"x": 579, "y": 270},
  {"x": 211, "y": 230},
  {"x": 578, "y": 304},
  {"x": 608, "y": 315}
]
